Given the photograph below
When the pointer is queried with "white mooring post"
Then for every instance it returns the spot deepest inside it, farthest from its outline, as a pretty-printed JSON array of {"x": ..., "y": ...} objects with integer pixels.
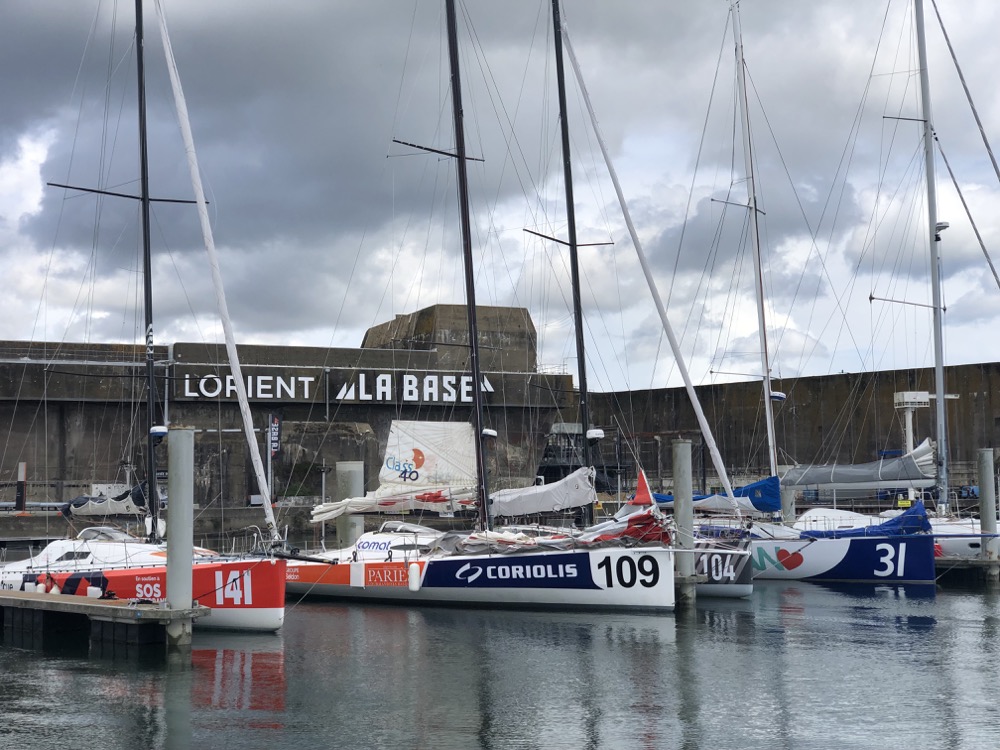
[
  {"x": 684, "y": 518},
  {"x": 21, "y": 490},
  {"x": 350, "y": 483},
  {"x": 988, "y": 506},
  {"x": 180, "y": 532},
  {"x": 787, "y": 505}
]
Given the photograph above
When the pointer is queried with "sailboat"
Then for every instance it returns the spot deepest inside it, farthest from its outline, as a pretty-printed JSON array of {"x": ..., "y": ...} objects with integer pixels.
[
  {"x": 900, "y": 551},
  {"x": 630, "y": 567},
  {"x": 243, "y": 593},
  {"x": 721, "y": 562},
  {"x": 956, "y": 538}
]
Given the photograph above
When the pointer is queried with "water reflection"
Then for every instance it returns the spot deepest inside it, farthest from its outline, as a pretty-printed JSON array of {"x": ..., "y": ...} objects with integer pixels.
[
  {"x": 508, "y": 679},
  {"x": 239, "y": 672},
  {"x": 796, "y": 666}
]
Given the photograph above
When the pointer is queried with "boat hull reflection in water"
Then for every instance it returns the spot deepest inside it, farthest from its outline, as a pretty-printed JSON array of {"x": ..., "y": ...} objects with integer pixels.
[{"x": 764, "y": 672}]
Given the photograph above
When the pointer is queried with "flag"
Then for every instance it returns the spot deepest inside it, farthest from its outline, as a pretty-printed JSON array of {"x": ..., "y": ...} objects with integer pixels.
[
  {"x": 274, "y": 434},
  {"x": 642, "y": 494}
]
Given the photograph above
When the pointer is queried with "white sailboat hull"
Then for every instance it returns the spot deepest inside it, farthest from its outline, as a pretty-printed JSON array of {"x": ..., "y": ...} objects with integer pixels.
[
  {"x": 637, "y": 578},
  {"x": 955, "y": 537}
]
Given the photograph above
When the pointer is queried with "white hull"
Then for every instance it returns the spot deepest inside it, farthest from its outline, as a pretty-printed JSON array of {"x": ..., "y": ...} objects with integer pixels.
[
  {"x": 258, "y": 619},
  {"x": 637, "y": 578},
  {"x": 724, "y": 590},
  {"x": 727, "y": 569}
]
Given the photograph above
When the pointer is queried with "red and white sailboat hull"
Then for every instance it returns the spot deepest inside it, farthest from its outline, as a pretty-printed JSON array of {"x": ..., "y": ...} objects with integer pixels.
[{"x": 243, "y": 593}]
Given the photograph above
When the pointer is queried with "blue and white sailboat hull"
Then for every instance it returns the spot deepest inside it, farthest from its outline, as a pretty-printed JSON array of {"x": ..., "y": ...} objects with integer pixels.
[
  {"x": 868, "y": 559},
  {"x": 612, "y": 578}
]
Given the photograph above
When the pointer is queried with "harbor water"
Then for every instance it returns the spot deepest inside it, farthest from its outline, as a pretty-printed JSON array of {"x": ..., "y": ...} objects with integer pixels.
[{"x": 796, "y": 666}]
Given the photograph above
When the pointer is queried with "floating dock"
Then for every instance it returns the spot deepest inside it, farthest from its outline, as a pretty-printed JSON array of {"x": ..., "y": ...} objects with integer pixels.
[
  {"x": 37, "y": 620},
  {"x": 971, "y": 569}
]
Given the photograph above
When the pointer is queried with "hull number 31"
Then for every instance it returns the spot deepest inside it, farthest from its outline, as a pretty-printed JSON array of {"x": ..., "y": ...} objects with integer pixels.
[{"x": 887, "y": 565}]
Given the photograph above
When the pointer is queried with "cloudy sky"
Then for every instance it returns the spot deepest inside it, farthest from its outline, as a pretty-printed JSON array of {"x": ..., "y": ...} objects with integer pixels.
[{"x": 326, "y": 226}]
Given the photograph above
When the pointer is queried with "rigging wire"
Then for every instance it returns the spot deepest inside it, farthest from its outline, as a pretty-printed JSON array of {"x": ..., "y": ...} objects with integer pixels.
[
  {"x": 965, "y": 87},
  {"x": 968, "y": 213}
]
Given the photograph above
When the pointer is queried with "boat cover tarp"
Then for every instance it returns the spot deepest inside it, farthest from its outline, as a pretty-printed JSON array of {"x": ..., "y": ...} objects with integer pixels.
[
  {"x": 757, "y": 497},
  {"x": 645, "y": 526},
  {"x": 915, "y": 469},
  {"x": 572, "y": 491},
  {"x": 427, "y": 466},
  {"x": 913, "y": 520},
  {"x": 130, "y": 502}
]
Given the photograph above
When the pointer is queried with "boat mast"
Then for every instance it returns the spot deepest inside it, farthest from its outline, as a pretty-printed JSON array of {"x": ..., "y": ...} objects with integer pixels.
[
  {"x": 152, "y": 496},
  {"x": 220, "y": 293},
  {"x": 574, "y": 265},
  {"x": 470, "y": 286},
  {"x": 935, "y": 239},
  {"x": 706, "y": 429},
  {"x": 765, "y": 363}
]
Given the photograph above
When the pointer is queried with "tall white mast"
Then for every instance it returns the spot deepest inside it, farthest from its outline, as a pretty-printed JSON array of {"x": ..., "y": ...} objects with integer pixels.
[
  {"x": 706, "y": 430},
  {"x": 220, "y": 294},
  {"x": 765, "y": 364},
  {"x": 935, "y": 239}
]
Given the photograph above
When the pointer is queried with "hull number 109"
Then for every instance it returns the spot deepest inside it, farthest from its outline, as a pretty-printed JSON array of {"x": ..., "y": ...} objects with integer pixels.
[{"x": 627, "y": 571}]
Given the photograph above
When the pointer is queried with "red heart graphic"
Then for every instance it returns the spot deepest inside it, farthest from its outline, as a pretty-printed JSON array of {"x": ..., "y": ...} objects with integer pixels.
[{"x": 790, "y": 560}]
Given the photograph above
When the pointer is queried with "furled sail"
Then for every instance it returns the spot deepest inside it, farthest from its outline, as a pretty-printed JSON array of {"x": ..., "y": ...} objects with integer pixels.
[
  {"x": 915, "y": 469},
  {"x": 427, "y": 466}
]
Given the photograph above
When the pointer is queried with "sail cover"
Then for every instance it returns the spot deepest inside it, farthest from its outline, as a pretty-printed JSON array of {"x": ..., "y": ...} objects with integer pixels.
[
  {"x": 911, "y": 521},
  {"x": 757, "y": 497},
  {"x": 129, "y": 502},
  {"x": 427, "y": 466},
  {"x": 572, "y": 491},
  {"x": 915, "y": 469}
]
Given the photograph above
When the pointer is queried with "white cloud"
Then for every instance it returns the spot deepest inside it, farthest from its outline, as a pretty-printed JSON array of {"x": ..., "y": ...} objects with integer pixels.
[
  {"x": 20, "y": 178},
  {"x": 326, "y": 227}
]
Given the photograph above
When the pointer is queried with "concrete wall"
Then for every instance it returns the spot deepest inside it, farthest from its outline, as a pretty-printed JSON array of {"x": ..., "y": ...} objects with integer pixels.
[
  {"x": 846, "y": 417},
  {"x": 507, "y": 336},
  {"x": 76, "y": 416}
]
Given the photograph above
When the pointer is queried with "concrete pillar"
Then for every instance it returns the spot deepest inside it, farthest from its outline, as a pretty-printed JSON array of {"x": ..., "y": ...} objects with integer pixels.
[
  {"x": 21, "y": 491},
  {"x": 684, "y": 519},
  {"x": 178, "y": 683},
  {"x": 787, "y": 506},
  {"x": 180, "y": 532},
  {"x": 350, "y": 483},
  {"x": 988, "y": 503}
]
